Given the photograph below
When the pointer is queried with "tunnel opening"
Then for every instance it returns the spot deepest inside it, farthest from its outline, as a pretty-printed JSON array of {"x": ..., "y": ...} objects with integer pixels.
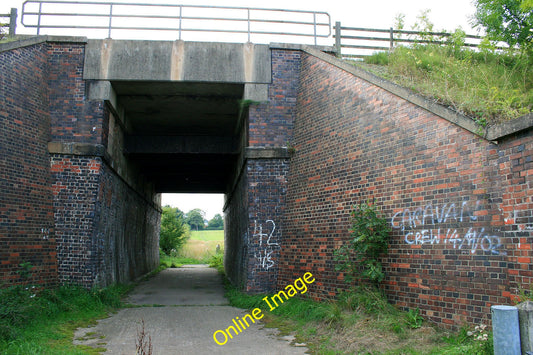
[
  {"x": 200, "y": 219},
  {"x": 186, "y": 141}
]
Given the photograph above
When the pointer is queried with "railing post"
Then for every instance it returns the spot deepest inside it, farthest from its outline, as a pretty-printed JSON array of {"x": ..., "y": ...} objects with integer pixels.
[
  {"x": 180, "y": 18},
  {"x": 249, "y": 28},
  {"x": 39, "y": 19},
  {"x": 110, "y": 20},
  {"x": 391, "y": 39},
  {"x": 12, "y": 22},
  {"x": 338, "y": 39},
  {"x": 314, "y": 26}
]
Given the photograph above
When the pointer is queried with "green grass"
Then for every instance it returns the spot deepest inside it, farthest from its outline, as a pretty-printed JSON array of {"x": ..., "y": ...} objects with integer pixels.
[
  {"x": 487, "y": 86},
  {"x": 208, "y": 235},
  {"x": 360, "y": 321},
  {"x": 43, "y": 322}
]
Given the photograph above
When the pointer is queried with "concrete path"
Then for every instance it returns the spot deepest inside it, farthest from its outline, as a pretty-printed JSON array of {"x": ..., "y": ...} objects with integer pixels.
[{"x": 181, "y": 309}]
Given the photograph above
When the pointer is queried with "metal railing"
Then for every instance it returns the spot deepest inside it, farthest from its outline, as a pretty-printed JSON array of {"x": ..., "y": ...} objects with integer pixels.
[{"x": 112, "y": 16}]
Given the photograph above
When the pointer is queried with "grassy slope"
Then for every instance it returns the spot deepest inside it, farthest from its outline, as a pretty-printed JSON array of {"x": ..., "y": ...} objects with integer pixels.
[{"x": 486, "y": 86}]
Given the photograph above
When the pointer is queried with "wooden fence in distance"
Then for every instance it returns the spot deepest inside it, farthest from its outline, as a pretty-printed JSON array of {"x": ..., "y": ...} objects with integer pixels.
[
  {"x": 12, "y": 25},
  {"x": 355, "y": 42}
]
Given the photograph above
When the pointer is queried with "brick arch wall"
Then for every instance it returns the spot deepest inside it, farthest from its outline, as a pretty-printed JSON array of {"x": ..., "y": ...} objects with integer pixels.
[{"x": 449, "y": 195}]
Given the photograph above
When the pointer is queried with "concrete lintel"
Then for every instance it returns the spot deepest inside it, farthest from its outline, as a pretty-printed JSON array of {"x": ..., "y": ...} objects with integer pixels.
[
  {"x": 177, "y": 61},
  {"x": 180, "y": 145},
  {"x": 256, "y": 92},
  {"x": 103, "y": 90},
  {"x": 267, "y": 153},
  {"x": 83, "y": 149}
]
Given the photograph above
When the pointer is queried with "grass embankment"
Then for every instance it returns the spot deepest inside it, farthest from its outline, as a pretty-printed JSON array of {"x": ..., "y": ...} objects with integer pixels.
[
  {"x": 43, "y": 322},
  {"x": 361, "y": 322},
  {"x": 489, "y": 87}
]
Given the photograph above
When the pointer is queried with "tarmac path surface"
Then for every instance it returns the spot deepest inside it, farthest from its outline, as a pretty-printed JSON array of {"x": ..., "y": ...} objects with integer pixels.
[{"x": 181, "y": 309}]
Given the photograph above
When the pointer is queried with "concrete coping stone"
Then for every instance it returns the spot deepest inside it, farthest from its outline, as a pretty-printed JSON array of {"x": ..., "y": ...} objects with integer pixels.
[
  {"x": 301, "y": 47},
  {"x": 267, "y": 153},
  {"x": 25, "y": 41},
  {"x": 491, "y": 133}
]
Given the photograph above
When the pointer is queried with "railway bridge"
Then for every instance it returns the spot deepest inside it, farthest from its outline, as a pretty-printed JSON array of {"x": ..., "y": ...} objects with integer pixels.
[{"x": 94, "y": 130}]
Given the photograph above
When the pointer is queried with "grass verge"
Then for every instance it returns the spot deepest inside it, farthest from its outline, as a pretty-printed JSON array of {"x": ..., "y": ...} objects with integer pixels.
[
  {"x": 359, "y": 322},
  {"x": 43, "y": 321}
]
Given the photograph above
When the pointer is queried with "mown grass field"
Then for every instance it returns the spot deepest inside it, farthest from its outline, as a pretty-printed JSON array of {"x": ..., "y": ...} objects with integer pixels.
[
  {"x": 203, "y": 244},
  {"x": 217, "y": 235}
]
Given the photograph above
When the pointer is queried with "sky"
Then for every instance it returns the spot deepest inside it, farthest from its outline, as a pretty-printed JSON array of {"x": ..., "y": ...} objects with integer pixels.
[{"x": 446, "y": 15}]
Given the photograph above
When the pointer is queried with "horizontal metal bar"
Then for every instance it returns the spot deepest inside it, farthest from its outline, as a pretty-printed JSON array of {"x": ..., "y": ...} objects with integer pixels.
[
  {"x": 176, "y": 17},
  {"x": 175, "y": 29},
  {"x": 114, "y": 10},
  {"x": 366, "y": 38},
  {"x": 170, "y": 5},
  {"x": 381, "y": 30},
  {"x": 364, "y": 47}
]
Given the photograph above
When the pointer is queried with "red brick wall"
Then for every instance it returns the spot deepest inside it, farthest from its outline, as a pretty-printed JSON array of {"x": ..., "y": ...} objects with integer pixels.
[
  {"x": 447, "y": 193},
  {"x": 26, "y": 213}
]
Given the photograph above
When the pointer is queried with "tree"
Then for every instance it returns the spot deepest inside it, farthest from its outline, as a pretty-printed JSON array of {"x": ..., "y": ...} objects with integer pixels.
[
  {"x": 217, "y": 222},
  {"x": 174, "y": 232},
  {"x": 195, "y": 219},
  {"x": 509, "y": 21}
]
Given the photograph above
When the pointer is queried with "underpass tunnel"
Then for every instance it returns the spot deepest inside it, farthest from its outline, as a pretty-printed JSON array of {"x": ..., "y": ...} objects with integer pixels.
[
  {"x": 181, "y": 137},
  {"x": 184, "y": 137}
]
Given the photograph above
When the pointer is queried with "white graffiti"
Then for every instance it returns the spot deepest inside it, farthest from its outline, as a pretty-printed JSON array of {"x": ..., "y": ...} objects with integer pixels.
[
  {"x": 407, "y": 219},
  {"x": 266, "y": 243},
  {"x": 412, "y": 223}
]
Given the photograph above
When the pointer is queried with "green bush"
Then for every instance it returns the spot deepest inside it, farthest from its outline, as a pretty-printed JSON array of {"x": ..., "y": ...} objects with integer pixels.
[{"x": 359, "y": 258}]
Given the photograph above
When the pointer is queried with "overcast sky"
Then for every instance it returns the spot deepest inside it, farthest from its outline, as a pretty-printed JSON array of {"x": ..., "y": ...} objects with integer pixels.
[{"x": 446, "y": 15}]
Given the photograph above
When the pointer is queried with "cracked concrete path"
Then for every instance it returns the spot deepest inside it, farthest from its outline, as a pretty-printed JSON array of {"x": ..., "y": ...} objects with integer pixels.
[{"x": 181, "y": 309}]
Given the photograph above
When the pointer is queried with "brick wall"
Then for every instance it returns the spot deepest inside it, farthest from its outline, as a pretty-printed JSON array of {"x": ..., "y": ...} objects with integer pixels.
[
  {"x": 446, "y": 192},
  {"x": 26, "y": 213},
  {"x": 74, "y": 118},
  {"x": 236, "y": 233},
  {"x": 270, "y": 123},
  {"x": 69, "y": 215},
  {"x": 254, "y": 215},
  {"x": 515, "y": 172},
  {"x": 267, "y": 187}
]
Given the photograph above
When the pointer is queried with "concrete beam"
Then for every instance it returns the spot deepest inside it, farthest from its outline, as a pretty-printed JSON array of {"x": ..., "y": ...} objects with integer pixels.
[
  {"x": 181, "y": 145},
  {"x": 177, "y": 61}
]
